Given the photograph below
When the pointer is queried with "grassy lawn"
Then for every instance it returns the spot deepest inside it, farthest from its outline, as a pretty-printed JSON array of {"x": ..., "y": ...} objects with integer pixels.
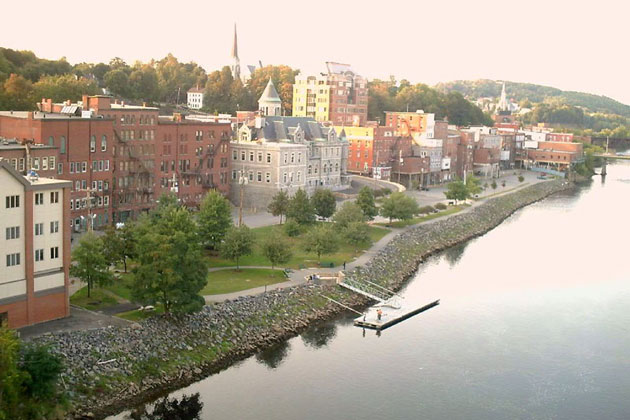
[
  {"x": 99, "y": 299},
  {"x": 501, "y": 190},
  {"x": 138, "y": 315},
  {"x": 416, "y": 220},
  {"x": 121, "y": 286},
  {"x": 228, "y": 281},
  {"x": 346, "y": 252}
]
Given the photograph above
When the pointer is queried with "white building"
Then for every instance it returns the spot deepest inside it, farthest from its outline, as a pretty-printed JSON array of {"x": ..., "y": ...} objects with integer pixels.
[
  {"x": 35, "y": 248},
  {"x": 195, "y": 98}
]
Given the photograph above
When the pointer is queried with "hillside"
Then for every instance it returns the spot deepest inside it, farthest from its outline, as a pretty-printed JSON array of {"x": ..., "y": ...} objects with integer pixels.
[{"x": 474, "y": 89}]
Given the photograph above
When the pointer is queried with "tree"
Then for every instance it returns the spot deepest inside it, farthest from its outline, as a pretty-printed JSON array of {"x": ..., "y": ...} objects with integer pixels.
[
  {"x": 90, "y": 264},
  {"x": 357, "y": 233},
  {"x": 11, "y": 377},
  {"x": 365, "y": 201},
  {"x": 494, "y": 185},
  {"x": 276, "y": 249},
  {"x": 283, "y": 78},
  {"x": 18, "y": 93},
  {"x": 324, "y": 202},
  {"x": 473, "y": 185},
  {"x": 237, "y": 243},
  {"x": 214, "y": 219},
  {"x": 456, "y": 190},
  {"x": 117, "y": 81},
  {"x": 399, "y": 206},
  {"x": 521, "y": 178},
  {"x": 348, "y": 213},
  {"x": 171, "y": 268},
  {"x": 112, "y": 246},
  {"x": 300, "y": 208},
  {"x": 43, "y": 370},
  {"x": 64, "y": 87},
  {"x": 279, "y": 204},
  {"x": 321, "y": 240}
]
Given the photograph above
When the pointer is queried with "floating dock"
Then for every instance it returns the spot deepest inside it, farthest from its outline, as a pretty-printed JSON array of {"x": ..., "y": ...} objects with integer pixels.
[{"x": 390, "y": 316}]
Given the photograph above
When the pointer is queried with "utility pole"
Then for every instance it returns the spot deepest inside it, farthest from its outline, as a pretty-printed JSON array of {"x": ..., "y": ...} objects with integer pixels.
[{"x": 242, "y": 180}]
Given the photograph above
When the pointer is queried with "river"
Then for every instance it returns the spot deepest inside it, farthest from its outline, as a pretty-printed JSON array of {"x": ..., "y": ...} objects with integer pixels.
[{"x": 534, "y": 323}]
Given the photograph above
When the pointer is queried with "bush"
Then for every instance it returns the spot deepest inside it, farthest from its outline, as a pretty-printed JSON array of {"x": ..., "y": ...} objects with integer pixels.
[
  {"x": 292, "y": 228},
  {"x": 494, "y": 185},
  {"x": 441, "y": 206},
  {"x": 521, "y": 178},
  {"x": 426, "y": 210}
]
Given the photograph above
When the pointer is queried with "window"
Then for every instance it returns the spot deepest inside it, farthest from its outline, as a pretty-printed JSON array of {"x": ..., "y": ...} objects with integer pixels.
[
  {"x": 54, "y": 252},
  {"x": 71, "y": 204},
  {"x": 84, "y": 167},
  {"x": 92, "y": 144},
  {"x": 299, "y": 176},
  {"x": 286, "y": 157},
  {"x": 234, "y": 176},
  {"x": 13, "y": 232},
  {"x": 54, "y": 197},
  {"x": 51, "y": 141},
  {"x": 284, "y": 177},
  {"x": 268, "y": 177},
  {"x": 12, "y": 201},
  {"x": 243, "y": 155},
  {"x": 259, "y": 176},
  {"x": 103, "y": 143},
  {"x": 251, "y": 156},
  {"x": 39, "y": 199},
  {"x": 39, "y": 229},
  {"x": 292, "y": 157},
  {"x": 268, "y": 157},
  {"x": 260, "y": 156},
  {"x": 106, "y": 201},
  {"x": 39, "y": 255},
  {"x": 44, "y": 164},
  {"x": 13, "y": 259},
  {"x": 51, "y": 163},
  {"x": 251, "y": 175},
  {"x": 234, "y": 155},
  {"x": 36, "y": 163}
]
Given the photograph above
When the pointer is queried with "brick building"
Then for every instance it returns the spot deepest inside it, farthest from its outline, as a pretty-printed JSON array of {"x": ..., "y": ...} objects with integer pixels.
[{"x": 35, "y": 249}]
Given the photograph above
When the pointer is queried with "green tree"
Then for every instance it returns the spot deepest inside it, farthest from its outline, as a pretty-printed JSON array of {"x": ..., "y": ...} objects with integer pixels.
[
  {"x": 349, "y": 212},
  {"x": 300, "y": 208},
  {"x": 117, "y": 81},
  {"x": 276, "y": 249},
  {"x": 399, "y": 206},
  {"x": 214, "y": 219},
  {"x": 324, "y": 202},
  {"x": 279, "y": 204},
  {"x": 321, "y": 240},
  {"x": 18, "y": 93},
  {"x": 171, "y": 268},
  {"x": 473, "y": 185},
  {"x": 238, "y": 242},
  {"x": 112, "y": 245},
  {"x": 283, "y": 78},
  {"x": 127, "y": 235},
  {"x": 494, "y": 185},
  {"x": 521, "y": 178},
  {"x": 43, "y": 369},
  {"x": 11, "y": 378},
  {"x": 456, "y": 190},
  {"x": 357, "y": 233},
  {"x": 90, "y": 264},
  {"x": 64, "y": 87},
  {"x": 365, "y": 200}
]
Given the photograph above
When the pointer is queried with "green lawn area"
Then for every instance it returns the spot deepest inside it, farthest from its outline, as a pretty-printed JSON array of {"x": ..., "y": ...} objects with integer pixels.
[
  {"x": 228, "y": 281},
  {"x": 416, "y": 220},
  {"x": 346, "y": 252},
  {"x": 138, "y": 315},
  {"x": 99, "y": 299}
]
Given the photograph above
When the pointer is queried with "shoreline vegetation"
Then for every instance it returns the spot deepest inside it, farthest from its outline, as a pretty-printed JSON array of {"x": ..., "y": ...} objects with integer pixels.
[{"x": 110, "y": 369}]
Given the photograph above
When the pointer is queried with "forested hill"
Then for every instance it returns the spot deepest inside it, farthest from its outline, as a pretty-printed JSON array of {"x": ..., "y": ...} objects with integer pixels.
[{"x": 520, "y": 92}]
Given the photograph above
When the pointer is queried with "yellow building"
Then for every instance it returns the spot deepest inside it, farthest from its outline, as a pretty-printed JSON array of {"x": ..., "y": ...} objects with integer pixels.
[{"x": 311, "y": 98}]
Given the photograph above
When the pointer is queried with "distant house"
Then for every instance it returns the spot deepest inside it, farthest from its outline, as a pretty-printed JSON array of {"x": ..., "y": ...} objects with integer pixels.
[{"x": 195, "y": 98}]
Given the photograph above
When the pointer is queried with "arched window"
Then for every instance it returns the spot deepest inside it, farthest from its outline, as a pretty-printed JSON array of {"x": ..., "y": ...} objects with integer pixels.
[
  {"x": 103, "y": 143},
  {"x": 336, "y": 167},
  {"x": 92, "y": 143},
  {"x": 62, "y": 144},
  {"x": 51, "y": 141},
  {"x": 310, "y": 169}
]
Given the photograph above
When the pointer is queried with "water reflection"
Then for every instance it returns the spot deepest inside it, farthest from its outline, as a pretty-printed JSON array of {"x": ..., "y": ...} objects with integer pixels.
[
  {"x": 186, "y": 408},
  {"x": 273, "y": 356},
  {"x": 319, "y": 335},
  {"x": 454, "y": 254}
]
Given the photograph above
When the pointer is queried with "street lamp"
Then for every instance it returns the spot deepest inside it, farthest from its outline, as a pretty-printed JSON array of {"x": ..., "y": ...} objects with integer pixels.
[{"x": 242, "y": 180}]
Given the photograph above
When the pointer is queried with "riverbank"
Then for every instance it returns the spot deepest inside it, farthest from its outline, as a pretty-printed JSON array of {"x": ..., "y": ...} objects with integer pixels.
[{"x": 109, "y": 369}]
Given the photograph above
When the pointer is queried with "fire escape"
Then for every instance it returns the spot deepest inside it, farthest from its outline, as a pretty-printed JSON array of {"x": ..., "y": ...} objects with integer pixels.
[{"x": 140, "y": 185}]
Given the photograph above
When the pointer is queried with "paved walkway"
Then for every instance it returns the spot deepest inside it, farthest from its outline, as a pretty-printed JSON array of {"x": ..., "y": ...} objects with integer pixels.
[{"x": 79, "y": 319}]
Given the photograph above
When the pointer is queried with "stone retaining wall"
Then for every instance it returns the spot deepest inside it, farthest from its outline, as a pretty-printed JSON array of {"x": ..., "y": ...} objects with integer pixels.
[{"x": 159, "y": 355}]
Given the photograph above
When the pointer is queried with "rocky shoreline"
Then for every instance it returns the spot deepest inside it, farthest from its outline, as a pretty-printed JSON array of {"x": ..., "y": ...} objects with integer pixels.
[{"x": 112, "y": 368}]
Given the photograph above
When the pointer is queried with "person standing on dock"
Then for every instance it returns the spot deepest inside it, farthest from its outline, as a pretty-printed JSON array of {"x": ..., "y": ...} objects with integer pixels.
[{"x": 379, "y": 313}]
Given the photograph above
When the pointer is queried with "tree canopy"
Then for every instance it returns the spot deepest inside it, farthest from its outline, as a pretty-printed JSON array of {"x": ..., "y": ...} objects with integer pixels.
[
  {"x": 214, "y": 219},
  {"x": 399, "y": 206}
]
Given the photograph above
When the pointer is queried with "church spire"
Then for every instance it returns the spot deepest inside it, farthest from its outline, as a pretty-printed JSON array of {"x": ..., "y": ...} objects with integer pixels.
[
  {"x": 503, "y": 103},
  {"x": 236, "y": 64}
]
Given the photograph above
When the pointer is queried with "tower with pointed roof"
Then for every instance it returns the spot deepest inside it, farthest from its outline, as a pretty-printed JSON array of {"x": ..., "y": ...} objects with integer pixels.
[
  {"x": 270, "y": 103},
  {"x": 236, "y": 63},
  {"x": 503, "y": 103}
]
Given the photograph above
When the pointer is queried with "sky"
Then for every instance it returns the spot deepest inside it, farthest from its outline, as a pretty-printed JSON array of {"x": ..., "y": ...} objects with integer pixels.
[{"x": 565, "y": 44}]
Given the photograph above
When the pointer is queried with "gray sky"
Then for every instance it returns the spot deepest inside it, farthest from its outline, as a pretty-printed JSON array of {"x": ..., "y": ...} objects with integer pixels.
[{"x": 558, "y": 43}]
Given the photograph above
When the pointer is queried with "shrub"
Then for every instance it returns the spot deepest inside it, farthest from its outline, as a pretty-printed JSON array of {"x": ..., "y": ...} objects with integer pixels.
[
  {"x": 426, "y": 210},
  {"x": 521, "y": 178},
  {"x": 440, "y": 206},
  {"x": 292, "y": 228}
]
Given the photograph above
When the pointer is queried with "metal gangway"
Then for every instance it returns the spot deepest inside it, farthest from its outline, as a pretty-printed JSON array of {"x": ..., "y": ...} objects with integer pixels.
[{"x": 383, "y": 296}]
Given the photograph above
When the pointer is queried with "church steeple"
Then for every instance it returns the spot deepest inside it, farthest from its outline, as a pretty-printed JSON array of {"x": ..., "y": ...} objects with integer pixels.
[
  {"x": 503, "y": 105},
  {"x": 236, "y": 64}
]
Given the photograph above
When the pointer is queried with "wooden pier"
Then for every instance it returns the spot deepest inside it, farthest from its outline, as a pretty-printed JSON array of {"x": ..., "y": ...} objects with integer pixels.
[{"x": 389, "y": 316}]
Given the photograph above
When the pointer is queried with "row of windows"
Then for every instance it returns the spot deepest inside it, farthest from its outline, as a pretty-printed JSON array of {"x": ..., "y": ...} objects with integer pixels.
[
  {"x": 46, "y": 163},
  {"x": 13, "y": 232},
  {"x": 39, "y": 228},
  {"x": 39, "y": 254},
  {"x": 259, "y": 156},
  {"x": 103, "y": 143},
  {"x": 13, "y": 259},
  {"x": 81, "y": 203},
  {"x": 12, "y": 201}
]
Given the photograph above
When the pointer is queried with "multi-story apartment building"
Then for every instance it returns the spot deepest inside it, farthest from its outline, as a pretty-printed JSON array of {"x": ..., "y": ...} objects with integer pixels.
[
  {"x": 112, "y": 154},
  {"x": 35, "y": 248},
  {"x": 84, "y": 153},
  {"x": 194, "y": 98},
  {"x": 339, "y": 95}
]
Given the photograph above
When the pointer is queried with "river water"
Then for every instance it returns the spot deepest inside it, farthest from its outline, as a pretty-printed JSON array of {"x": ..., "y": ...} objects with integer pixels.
[{"x": 534, "y": 323}]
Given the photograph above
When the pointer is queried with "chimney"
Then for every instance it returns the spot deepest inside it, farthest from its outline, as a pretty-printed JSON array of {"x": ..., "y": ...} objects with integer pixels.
[
  {"x": 68, "y": 102},
  {"x": 29, "y": 115},
  {"x": 86, "y": 102},
  {"x": 144, "y": 104},
  {"x": 122, "y": 103}
]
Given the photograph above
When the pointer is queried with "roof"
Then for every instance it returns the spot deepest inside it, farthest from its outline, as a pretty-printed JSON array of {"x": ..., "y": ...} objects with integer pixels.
[
  {"x": 270, "y": 94},
  {"x": 283, "y": 128},
  {"x": 195, "y": 90},
  {"x": 34, "y": 184}
]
